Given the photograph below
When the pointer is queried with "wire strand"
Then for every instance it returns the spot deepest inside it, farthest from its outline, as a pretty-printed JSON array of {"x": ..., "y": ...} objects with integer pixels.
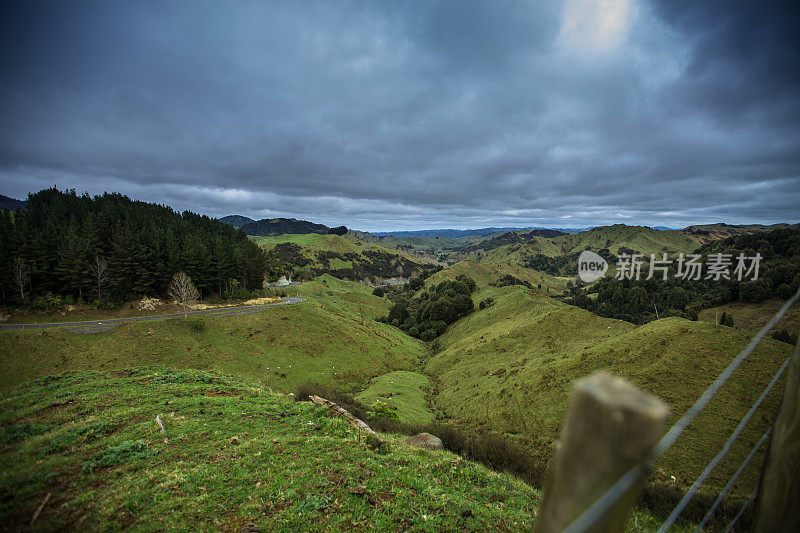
[
  {"x": 741, "y": 510},
  {"x": 722, "y": 453},
  {"x": 733, "y": 479}
]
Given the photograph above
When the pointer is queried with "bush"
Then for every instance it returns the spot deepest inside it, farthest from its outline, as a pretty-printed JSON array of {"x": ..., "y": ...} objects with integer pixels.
[
  {"x": 379, "y": 291},
  {"x": 240, "y": 293},
  {"x": 381, "y": 409},
  {"x": 196, "y": 324},
  {"x": 486, "y": 302}
]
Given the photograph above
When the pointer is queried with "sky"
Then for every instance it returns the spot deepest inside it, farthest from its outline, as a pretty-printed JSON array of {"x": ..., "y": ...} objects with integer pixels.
[{"x": 386, "y": 115}]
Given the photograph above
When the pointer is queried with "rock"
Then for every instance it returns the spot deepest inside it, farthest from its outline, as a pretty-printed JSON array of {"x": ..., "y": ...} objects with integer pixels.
[{"x": 426, "y": 441}]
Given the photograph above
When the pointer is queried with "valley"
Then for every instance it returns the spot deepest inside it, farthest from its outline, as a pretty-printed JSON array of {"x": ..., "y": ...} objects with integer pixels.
[{"x": 503, "y": 369}]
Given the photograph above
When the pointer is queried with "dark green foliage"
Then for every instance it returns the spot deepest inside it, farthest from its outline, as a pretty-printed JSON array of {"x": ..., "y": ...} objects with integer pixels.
[
  {"x": 23, "y": 431},
  {"x": 130, "y": 450},
  {"x": 784, "y": 336},
  {"x": 637, "y": 300},
  {"x": 726, "y": 320},
  {"x": 282, "y": 226},
  {"x": 564, "y": 265},
  {"x": 508, "y": 279},
  {"x": 428, "y": 315},
  {"x": 379, "y": 292},
  {"x": 381, "y": 409},
  {"x": 486, "y": 302},
  {"x": 338, "y": 230},
  {"x": 414, "y": 284},
  {"x": 60, "y": 234}
]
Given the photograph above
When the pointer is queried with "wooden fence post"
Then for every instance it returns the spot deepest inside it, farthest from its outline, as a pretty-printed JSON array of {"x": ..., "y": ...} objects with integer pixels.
[
  {"x": 778, "y": 507},
  {"x": 611, "y": 427}
]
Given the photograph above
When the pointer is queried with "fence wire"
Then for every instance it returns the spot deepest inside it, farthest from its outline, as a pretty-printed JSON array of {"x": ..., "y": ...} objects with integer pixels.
[
  {"x": 596, "y": 511},
  {"x": 733, "y": 479},
  {"x": 725, "y": 449},
  {"x": 741, "y": 510}
]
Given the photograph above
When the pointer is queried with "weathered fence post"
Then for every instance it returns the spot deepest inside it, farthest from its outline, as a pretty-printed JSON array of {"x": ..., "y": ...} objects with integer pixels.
[
  {"x": 778, "y": 507},
  {"x": 611, "y": 427}
]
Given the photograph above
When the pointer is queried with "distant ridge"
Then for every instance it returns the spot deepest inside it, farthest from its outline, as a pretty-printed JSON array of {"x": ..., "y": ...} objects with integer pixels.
[
  {"x": 12, "y": 204},
  {"x": 281, "y": 226},
  {"x": 237, "y": 221},
  {"x": 456, "y": 233}
]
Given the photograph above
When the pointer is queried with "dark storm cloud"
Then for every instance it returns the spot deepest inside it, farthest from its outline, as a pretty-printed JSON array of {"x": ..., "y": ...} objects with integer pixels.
[{"x": 414, "y": 114}]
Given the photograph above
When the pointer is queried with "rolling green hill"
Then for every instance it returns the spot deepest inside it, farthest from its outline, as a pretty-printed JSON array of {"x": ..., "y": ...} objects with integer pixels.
[
  {"x": 344, "y": 256},
  {"x": 510, "y": 368},
  {"x": 706, "y": 233},
  {"x": 331, "y": 339}
]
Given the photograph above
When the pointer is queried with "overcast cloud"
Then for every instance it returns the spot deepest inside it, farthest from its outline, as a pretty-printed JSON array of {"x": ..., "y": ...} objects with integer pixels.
[{"x": 386, "y": 115}]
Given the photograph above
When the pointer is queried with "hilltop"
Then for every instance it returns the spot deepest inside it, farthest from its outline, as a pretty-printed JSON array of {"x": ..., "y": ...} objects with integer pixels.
[
  {"x": 11, "y": 204},
  {"x": 345, "y": 256},
  {"x": 237, "y": 221},
  {"x": 283, "y": 226},
  {"x": 714, "y": 232}
]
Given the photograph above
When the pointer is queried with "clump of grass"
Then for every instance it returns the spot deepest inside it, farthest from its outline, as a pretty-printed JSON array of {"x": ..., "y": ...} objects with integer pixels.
[
  {"x": 129, "y": 450},
  {"x": 196, "y": 324},
  {"x": 23, "y": 432},
  {"x": 377, "y": 445}
]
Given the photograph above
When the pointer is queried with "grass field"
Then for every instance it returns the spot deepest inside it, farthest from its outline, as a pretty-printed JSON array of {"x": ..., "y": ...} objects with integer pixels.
[
  {"x": 404, "y": 390},
  {"x": 342, "y": 244},
  {"x": 232, "y": 455},
  {"x": 754, "y": 316},
  {"x": 331, "y": 338}
]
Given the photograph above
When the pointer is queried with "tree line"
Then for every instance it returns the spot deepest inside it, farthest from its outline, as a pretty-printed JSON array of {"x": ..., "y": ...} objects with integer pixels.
[
  {"x": 110, "y": 247},
  {"x": 643, "y": 300}
]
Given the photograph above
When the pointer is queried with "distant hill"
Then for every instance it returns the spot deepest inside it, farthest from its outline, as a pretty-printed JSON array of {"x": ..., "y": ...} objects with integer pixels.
[
  {"x": 12, "y": 204},
  {"x": 459, "y": 233},
  {"x": 714, "y": 232},
  {"x": 284, "y": 226},
  {"x": 514, "y": 237},
  {"x": 449, "y": 233},
  {"x": 237, "y": 221},
  {"x": 342, "y": 256}
]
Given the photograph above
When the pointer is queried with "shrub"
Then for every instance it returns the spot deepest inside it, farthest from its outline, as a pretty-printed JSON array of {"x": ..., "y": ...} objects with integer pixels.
[
  {"x": 196, "y": 324},
  {"x": 127, "y": 451},
  {"x": 486, "y": 302},
  {"x": 240, "y": 293},
  {"x": 379, "y": 291},
  {"x": 376, "y": 444},
  {"x": 381, "y": 409}
]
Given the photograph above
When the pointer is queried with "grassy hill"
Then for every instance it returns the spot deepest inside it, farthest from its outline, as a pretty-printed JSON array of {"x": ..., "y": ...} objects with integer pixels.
[
  {"x": 510, "y": 368},
  {"x": 706, "y": 233},
  {"x": 331, "y": 338},
  {"x": 344, "y": 256},
  {"x": 232, "y": 455}
]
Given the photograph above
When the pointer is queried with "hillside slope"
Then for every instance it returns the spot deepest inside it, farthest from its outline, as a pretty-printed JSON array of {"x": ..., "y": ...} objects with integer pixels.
[
  {"x": 232, "y": 455},
  {"x": 517, "y": 361},
  {"x": 343, "y": 256},
  {"x": 331, "y": 338}
]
